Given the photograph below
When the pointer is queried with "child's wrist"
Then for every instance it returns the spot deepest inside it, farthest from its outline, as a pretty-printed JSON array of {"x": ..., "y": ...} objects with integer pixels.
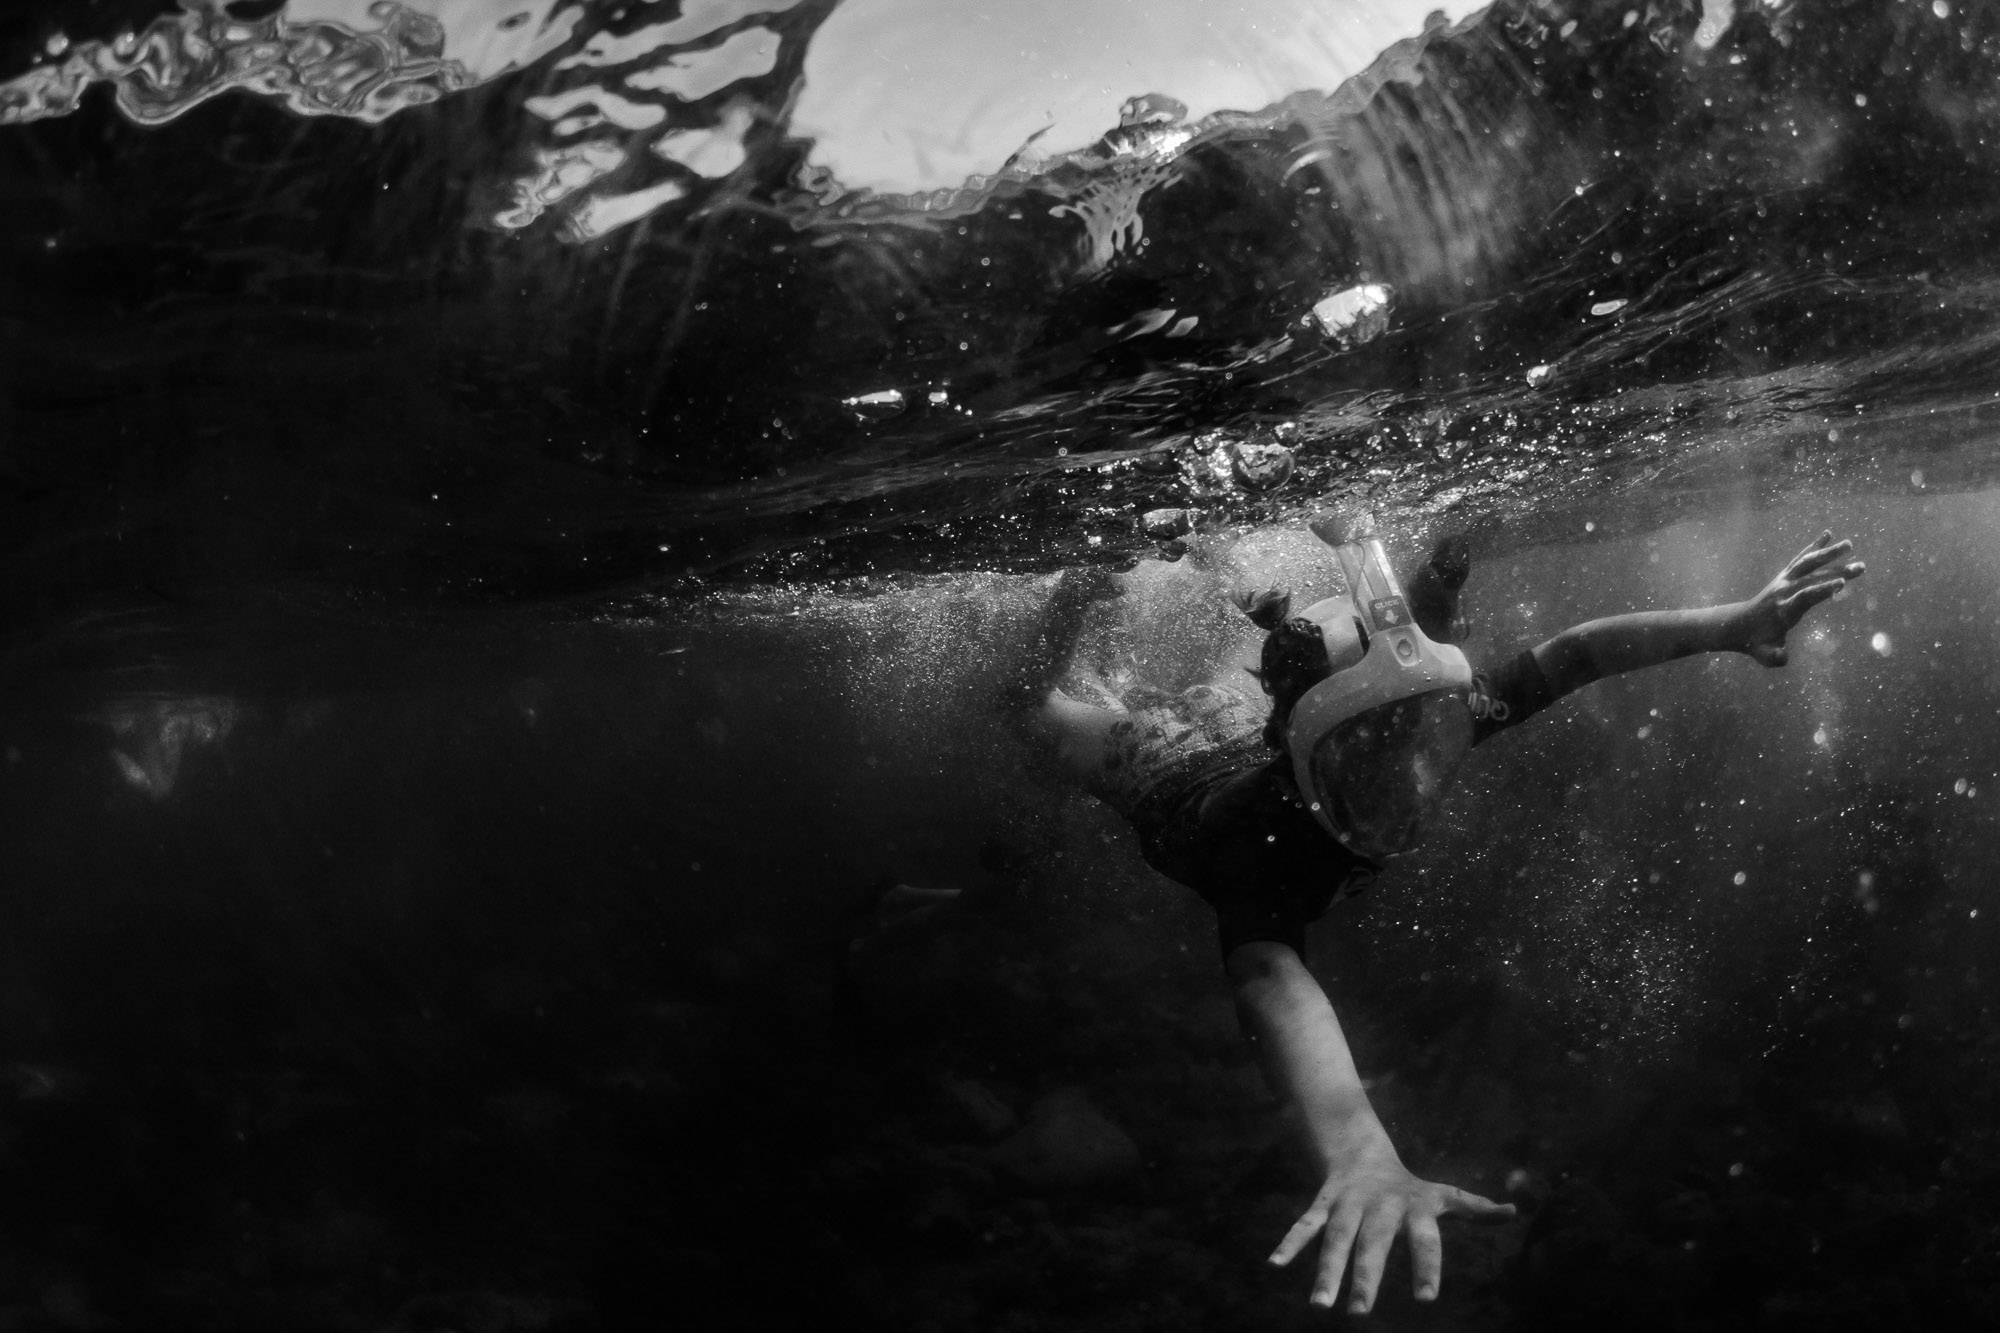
[
  {"x": 1354, "y": 1143},
  {"x": 1731, "y": 628}
]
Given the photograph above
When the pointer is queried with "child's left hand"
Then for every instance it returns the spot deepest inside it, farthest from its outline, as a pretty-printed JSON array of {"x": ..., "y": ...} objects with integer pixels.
[{"x": 1767, "y": 618}]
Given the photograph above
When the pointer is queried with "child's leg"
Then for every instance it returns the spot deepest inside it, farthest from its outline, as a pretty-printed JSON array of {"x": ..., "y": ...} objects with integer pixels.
[
  {"x": 1072, "y": 730},
  {"x": 1076, "y": 732},
  {"x": 1063, "y": 618}
]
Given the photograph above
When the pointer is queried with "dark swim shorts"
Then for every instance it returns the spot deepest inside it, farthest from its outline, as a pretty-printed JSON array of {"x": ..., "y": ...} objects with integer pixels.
[{"x": 1215, "y": 809}]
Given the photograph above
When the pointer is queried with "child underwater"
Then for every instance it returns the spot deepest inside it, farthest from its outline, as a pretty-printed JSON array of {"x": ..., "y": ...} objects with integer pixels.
[{"x": 1371, "y": 713}]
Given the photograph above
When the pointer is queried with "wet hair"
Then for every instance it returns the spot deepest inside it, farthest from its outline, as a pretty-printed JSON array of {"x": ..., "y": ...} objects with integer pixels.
[{"x": 1294, "y": 657}]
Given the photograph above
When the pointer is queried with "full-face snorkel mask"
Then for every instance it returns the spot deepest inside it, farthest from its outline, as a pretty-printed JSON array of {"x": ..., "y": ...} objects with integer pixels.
[{"x": 1375, "y": 745}]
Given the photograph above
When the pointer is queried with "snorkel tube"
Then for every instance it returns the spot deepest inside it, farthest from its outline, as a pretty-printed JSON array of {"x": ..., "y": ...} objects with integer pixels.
[{"x": 1399, "y": 662}]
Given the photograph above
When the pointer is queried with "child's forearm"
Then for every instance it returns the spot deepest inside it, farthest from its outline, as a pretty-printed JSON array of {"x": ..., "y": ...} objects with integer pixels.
[
  {"x": 1298, "y": 1039},
  {"x": 1606, "y": 647}
]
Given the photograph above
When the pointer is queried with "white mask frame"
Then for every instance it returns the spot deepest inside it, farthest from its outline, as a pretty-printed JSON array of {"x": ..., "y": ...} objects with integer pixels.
[{"x": 1399, "y": 661}]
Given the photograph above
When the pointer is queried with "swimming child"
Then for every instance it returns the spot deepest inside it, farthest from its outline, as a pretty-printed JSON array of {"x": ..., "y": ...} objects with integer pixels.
[{"x": 1273, "y": 815}]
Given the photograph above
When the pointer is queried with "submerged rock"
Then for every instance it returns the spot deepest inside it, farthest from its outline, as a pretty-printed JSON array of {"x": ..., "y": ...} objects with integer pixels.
[
  {"x": 978, "y": 1106},
  {"x": 1067, "y": 1143}
]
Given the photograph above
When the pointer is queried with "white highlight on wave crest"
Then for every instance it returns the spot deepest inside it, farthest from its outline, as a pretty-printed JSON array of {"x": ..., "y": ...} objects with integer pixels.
[
  {"x": 693, "y": 75},
  {"x": 558, "y": 174},
  {"x": 608, "y": 212},
  {"x": 561, "y": 173},
  {"x": 364, "y": 59},
  {"x": 605, "y": 108},
  {"x": 369, "y": 59},
  {"x": 713, "y": 152},
  {"x": 697, "y": 19},
  {"x": 710, "y": 151}
]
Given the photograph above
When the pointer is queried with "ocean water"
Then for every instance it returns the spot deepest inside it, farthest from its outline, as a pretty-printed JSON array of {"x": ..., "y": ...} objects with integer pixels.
[{"x": 518, "y": 516}]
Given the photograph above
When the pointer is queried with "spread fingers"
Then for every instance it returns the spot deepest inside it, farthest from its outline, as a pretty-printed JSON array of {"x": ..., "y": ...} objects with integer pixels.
[
  {"x": 1813, "y": 557},
  {"x": 1426, "y": 1255},
  {"x": 1806, "y": 598},
  {"x": 1333, "y": 1251},
  {"x": 1300, "y": 1235},
  {"x": 1371, "y": 1255},
  {"x": 1464, "y": 1203}
]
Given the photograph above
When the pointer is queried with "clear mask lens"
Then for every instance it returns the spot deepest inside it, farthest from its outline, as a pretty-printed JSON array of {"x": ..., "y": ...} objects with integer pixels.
[{"x": 1382, "y": 775}]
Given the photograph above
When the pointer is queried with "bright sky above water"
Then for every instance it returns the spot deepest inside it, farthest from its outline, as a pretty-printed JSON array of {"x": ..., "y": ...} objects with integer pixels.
[
  {"x": 900, "y": 96},
  {"x": 907, "y": 95}
]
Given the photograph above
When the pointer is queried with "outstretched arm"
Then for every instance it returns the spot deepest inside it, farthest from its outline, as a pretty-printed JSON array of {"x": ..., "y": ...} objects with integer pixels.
[
  {"x": 1369, "y": 1197},
  {"x": 1757, "y": 627}
]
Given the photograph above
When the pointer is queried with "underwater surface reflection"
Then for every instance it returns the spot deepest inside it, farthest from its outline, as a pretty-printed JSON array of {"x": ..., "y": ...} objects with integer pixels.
[{"x": 458, "y": 295}]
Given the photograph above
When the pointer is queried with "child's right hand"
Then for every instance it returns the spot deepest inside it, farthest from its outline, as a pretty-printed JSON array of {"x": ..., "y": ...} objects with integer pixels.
[
  {"x": 1366, "y": 1202},
  {"x": 1804, "y": 583}
]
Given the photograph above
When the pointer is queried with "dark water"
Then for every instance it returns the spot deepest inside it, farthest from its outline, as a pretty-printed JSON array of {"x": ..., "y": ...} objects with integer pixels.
[{"x": 514, "y": 519}]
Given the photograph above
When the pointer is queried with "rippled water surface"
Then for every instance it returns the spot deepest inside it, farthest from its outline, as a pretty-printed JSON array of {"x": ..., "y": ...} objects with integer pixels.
[{"x": 516, "y": 516}]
